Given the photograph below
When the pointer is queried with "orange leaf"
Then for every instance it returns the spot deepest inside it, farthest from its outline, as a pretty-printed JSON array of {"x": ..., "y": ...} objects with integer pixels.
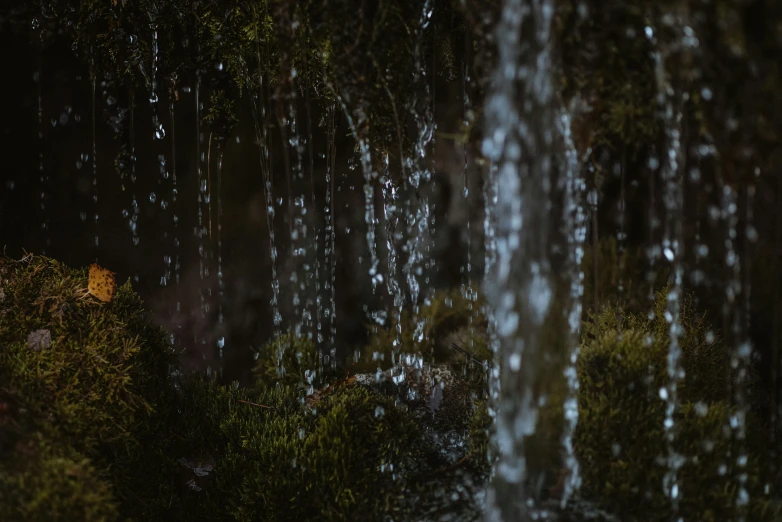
[{"x": 101, "y": 283}]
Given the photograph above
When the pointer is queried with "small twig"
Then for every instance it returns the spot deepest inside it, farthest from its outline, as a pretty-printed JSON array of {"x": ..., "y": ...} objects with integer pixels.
[
  {"x": 255, "y": 404},
  {"x": 466, "y": 354}
]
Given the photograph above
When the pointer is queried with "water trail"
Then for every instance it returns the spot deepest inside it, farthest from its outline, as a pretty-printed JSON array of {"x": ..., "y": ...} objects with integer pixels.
[
  {"x": 220, "y": 284},
  {"x": 173, "y": 97},
  {"x": 133, "y": 221},
  {"x": 519, "y": 137},
  {"x": 741, "y": 352},
  {"x": 468, "y": 292},
  {"x": 670, "y": 100},
  {"x": 314, "y": 276},
  {"x": 95, "y": 169},
  {"x": 621, "y": 237},
  {"x": 158, "y": 132},
  {"x": 575, "y": 220},
  {"x": 390, "y": 213},
  {"x": 299, "y": 280},
  {"x": 200, "y": 230},
  {"x": 43, "y": 178},
  {"x": 418, "y": 213},
  {"x": 265, "y": 162},
  {"x": 331, "y": 245}
]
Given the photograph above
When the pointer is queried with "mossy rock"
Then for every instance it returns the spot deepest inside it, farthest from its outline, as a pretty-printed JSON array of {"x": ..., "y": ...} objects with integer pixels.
[{"x": 620, "y": 438}]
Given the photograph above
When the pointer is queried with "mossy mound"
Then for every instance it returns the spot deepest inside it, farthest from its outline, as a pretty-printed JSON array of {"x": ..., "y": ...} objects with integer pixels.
[
  {"x": 621, "y": 441},
  {"x": 82, "y": 380},
  {"x": 45, "y": 481},
  {"x": 93, "y": 369}
]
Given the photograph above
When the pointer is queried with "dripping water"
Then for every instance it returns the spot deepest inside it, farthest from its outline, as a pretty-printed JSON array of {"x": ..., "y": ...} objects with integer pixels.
[
  {"x": 575, "y": 221},
  {"x": 519, "y": 139},
  {"x": 265, "y": 163},
  {"x": 43, "y": 178},
  {"x": 314, "y": 275},
  {"x": 670, "y": 100},
  {"x": 330, "y": 246},
  {"x": 220, "y": 283},
  {"x": 418, "y": 212},
  {"x": 95, "y": 167}
]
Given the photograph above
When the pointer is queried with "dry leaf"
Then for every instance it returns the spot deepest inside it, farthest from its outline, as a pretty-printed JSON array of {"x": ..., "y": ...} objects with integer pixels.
[
  {"x": 102, "y": 283},
  {"x": 39, "y": 340}
]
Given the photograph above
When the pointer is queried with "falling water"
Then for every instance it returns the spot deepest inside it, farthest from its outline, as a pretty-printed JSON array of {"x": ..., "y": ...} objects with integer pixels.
[
  {"x": 133, "y": 221},
  {"x": 296, "y": 206},
  {"x": 621, "y": 237},
  {"x": 265, "y": 163},
  {"x": 200, "y": 229},
  {"x": 419, "y": 211},
  {"x": 519, "y": 139},
  {"x": 670, "y": 101},
  {"x": 158, "y": 133},
  {"x": 467, "y": 118},
  {"x": 220, "y": 284},
  {"x": 741, "y": 353},
  {"x": 575, "y": 220},
  {"x": 174, "y": 189},
  {"x": 390, "y": 213},
  {"x": 41, "y": 171},
  {"x": 94, "y": 164},
  {"x": 314, "y": 275},
  {"x": 330, "y": 236}
]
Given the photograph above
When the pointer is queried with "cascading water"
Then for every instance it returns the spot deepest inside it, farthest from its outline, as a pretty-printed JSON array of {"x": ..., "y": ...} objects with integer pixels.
[
  {"x": 418, "y": 213},
  {"x": 520, "y": 140},
  {"x": 575, "y": 223}
]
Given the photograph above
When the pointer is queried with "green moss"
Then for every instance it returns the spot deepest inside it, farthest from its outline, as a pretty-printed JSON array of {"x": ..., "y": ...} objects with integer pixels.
[
  {"x": 447, "y": 318},
  {"x": 288, "y": 360},
  {"x": 41, "y": 481},
  {"x": 105, "y": 367},
  {"x": 620, "y": 435}
]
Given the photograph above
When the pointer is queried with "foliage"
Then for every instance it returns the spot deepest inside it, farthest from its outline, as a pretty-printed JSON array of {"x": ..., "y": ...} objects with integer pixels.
[
  {"x": 106, "y": 366},
  {"x": 41, "y": 481},
  {"x": 447, "y": 318},
  {"x": 288, "y": 360},
  {"x": 620, "y": 436}
]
